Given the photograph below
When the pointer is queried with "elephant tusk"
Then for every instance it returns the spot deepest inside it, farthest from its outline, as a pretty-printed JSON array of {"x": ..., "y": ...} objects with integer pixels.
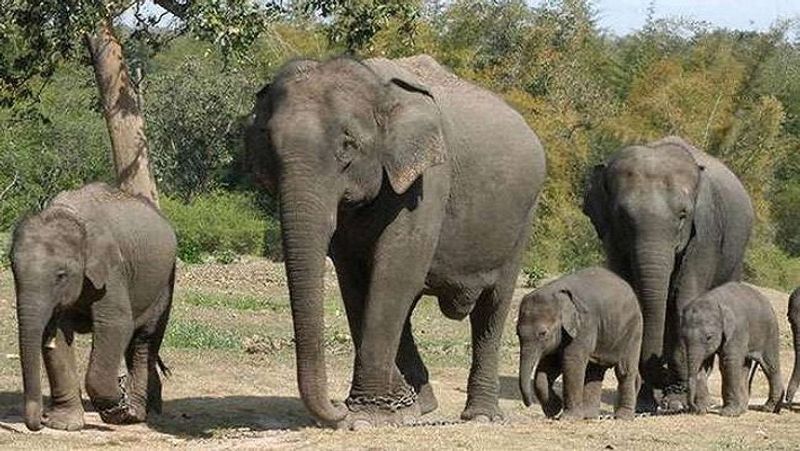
[{"x": 50, "y": 343}]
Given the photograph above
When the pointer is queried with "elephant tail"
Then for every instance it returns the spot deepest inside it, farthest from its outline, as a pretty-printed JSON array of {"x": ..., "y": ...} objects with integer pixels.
[
  {"x": 753, "y": 368},
  {"x": 165, "y": 371}
]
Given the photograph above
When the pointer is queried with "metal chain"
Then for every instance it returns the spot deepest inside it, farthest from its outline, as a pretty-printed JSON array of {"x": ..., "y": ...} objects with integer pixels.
[{"x": 393, "y": 403}]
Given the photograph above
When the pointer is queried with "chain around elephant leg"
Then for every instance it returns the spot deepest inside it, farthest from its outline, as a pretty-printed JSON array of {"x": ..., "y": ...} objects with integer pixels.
[
  {"x": 399, "y": 408},
  {"x": 121, "y": 412}
]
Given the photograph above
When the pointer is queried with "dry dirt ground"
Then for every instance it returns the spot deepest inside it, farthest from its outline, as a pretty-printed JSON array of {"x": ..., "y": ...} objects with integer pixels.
[{"x": 233, "y": 384}]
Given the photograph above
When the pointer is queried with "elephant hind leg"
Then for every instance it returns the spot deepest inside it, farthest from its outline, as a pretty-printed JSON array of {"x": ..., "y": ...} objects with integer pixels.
[
  {"x": 144, "y": 362},
  {"x": 486, "y": 321},
  {"x": 413, "y": 368},
  {"x": 770, "y": 363}
]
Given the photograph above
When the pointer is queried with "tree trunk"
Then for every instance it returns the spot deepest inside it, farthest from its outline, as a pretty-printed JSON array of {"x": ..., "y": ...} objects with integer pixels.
[{"x": 122, "y": 113}]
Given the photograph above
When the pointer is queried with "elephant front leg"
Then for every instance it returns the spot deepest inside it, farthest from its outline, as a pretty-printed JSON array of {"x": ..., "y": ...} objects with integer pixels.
[
  {"x": 113, "y": 329},
  {"x": 66, "y": 409},
  {"x": 575, "y": 362},
  {"x": 486, "y": 320},
  {"x": 734, "y": 394},
  {"x": 547, "y": 371},
  {"x": 380, "y": 394},
  {"x": 699, "y": 405},
  {"x": 593, "y": 390}
]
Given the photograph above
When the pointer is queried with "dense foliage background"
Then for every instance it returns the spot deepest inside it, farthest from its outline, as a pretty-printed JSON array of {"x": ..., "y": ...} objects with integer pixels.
[{"x": 585, "y": 92}]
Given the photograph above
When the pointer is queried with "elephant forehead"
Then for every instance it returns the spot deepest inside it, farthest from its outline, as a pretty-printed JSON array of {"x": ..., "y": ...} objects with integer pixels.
[
  {"x": 698, "y": 313},
  {"x": 538, "y": 307},
  {"x": 652, "y": 164}
]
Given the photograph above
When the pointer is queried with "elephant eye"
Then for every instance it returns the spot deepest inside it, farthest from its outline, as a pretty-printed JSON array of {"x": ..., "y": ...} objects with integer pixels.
[
  {"x": 541, "y": 334},
  {"x": 348, "y": 149},
  {"x": 709, "y": 337},
  {"x": 61, "y": 275},
  {"x": 682, "y": 218}
]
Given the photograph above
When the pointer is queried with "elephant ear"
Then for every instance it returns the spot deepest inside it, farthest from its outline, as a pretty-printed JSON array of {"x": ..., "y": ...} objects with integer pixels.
[
  {"x": 728, "y": 321},
  {"x": 570, "y": 314},
  {"x": 595, "y": 201},
  {"x": 101, "y": 255},
  {"x": 413, "y": 139},
  {"x": 704, "y": 220}
]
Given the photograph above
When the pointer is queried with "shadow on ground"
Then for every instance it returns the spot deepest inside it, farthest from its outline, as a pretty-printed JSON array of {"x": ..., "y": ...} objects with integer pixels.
[{"x": 201, "y": 417}]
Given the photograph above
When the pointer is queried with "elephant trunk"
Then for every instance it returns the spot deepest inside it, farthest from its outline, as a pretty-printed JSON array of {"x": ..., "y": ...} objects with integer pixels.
[
  {"x": 528, "y": 360},
  {"x": 32, "y": 315},
  {"x": 794, "y": 381},
  {"x": 306, "y": 230},
  {"x": 694, "y": 361},
  {"x": 653, "y": 269}
]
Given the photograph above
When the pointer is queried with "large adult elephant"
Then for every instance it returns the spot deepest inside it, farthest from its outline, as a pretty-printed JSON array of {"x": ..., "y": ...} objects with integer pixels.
[
  {"x": 674, "y": 222},
  {"x": 414, "y": 182}
]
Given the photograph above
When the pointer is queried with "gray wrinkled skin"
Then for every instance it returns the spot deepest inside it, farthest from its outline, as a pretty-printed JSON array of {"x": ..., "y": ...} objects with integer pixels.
[
  {"x": 674, "y": 223},
  {"x": 737, "y": 323},
  {"x": 414, "y": 182},
  {"x": 97, "y": 261},
  {"x": 580, "y": 325}
]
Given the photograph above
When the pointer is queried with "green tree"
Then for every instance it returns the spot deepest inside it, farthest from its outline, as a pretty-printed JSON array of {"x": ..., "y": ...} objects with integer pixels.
[{"x": 44, "y": 33}]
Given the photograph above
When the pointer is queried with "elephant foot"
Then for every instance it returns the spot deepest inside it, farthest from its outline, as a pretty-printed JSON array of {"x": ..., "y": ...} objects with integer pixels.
[
  {"x": 675, "y": 398},
  {"x": 401, "y": 407},
  {"x": 571, "y": 415},
  {"x": 624, "y": 413},
  {"x": 646, "y": 402},
  {"x": 730, "y": 411},
  {"x": 64, "y": 417},
  {"x": 373, "y": 417},
  {"x": 772, "y": 407},
  {"x": 591, "y": 413},
  {"x": 483, "y": 414},
  {"x": 698, "y": 409},
  {"x": 552, "y": 407},
  {"x": 426, "y": 399},
  {"x": 121, "y": 413}
]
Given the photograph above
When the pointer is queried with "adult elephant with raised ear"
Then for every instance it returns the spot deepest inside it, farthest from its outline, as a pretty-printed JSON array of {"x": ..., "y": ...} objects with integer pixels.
[
  {"x": 674, "y": 222},
  {"x": 414, "y": 182}
]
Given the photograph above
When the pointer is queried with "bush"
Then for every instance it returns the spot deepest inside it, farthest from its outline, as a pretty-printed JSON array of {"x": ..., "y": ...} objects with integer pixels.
[
  {"x": 219, "y": 225},
  {"x": 769, "y": 266}
]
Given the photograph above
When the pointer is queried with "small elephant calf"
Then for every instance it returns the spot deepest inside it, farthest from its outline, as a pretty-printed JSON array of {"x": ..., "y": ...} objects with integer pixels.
[
  {"x": 737, "y": 323},
  {"x": 98, "y": 261},
  {"x": 581, "y": 325}
]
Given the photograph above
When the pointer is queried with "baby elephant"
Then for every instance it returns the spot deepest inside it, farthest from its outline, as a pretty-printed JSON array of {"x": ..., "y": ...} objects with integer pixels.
[
  {"x": 101, "y": 261},
  {"x": 580, "y": 324},
  {"x": 736, "y": 322}
]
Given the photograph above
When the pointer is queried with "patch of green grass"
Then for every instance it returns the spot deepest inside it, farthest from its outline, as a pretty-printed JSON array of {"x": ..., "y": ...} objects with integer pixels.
[
  {"x": 188, "y": 334},
  {"x": 241, "y": 302}
]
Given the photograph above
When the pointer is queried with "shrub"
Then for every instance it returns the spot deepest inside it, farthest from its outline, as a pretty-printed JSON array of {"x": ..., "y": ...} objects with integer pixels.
[
  {"x": 219, "y": 225},
  {"x": 767, "y": 265}
]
